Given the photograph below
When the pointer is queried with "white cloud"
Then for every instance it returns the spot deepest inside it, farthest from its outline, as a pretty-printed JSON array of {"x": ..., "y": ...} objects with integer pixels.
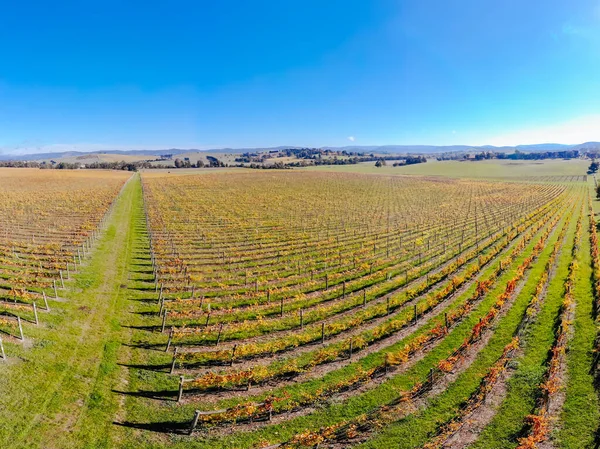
[
  {"x": 351, "y": 138},
  {"x": 579, "y": 130}
]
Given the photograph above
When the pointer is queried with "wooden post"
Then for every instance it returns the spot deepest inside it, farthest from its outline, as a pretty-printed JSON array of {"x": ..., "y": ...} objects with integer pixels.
[
  {"x": 301, "y": 318},
  {"x": 364, "y": 297},
  {"x": 323, "y": 333},
  {"x": 46, "y": 301},
  {"x": 164, "y": 322},
  {"x": 351, "y": 347},
  {"x": 193, "y": 291},
  {"x": 388, "y": 306},
  {"x": 55, "y": 290},
  {"x": 174, "y": 360},
  {"x": 180, "y": 394},
  {"x": 268, "y": 296},
  {"x": 35, "y": 314},
  {"x": 256, "y": 286},
  {"x": 20, "y": 327},
  {"x": 194, "y": 422},
  {"x": 326, "y": 282},
  {"x": 343, "y": 289},
  {"x": 2, "y": 350},
  {"x": 415, "y": 313},
  {"x": 160, "y": 295},
  {"x": 219, "y": 336},
  {"x": 232, "y": 355},
  {"x": 68, "y": 272},
  {"x": 281, "y": 309},
  {"x": 62, "y": 281}
]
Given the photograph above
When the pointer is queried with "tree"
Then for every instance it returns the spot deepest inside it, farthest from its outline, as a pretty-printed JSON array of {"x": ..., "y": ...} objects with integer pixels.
[
  {"x": 380, "y": 163},
  {"x": 214, "y": 162},
  {"x": 593, "y": 168},
  {"x": 200, "y": 163},
  {"x": 598, "y": 192},
  {"x": 178, "y": 163}
]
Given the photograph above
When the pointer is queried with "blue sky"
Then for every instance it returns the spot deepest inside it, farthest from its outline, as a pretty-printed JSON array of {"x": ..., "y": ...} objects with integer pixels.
[{"x": 129, "y": 75}]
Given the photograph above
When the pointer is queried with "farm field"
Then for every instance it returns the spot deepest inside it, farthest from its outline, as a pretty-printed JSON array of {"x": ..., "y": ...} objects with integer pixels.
[
  {"x": 327, "y": 308},
  {"x": 495, "y": 168}
]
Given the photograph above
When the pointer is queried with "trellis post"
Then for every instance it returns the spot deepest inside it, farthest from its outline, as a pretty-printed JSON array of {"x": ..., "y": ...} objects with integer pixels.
[
  {"x": 232, "y": 355},
  {"x": 20, "y": 327},
  {"x": 35, "y": 314},
  {"x": 180, "y": 394},
  {"x": 174, "y": 360},
  {"x": 219, "y": 336},
  {"x": 194, "y": 422}
]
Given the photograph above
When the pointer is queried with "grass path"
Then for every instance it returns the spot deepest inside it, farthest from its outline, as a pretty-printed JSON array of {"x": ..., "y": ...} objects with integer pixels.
[{"x": 57, "y": 393}]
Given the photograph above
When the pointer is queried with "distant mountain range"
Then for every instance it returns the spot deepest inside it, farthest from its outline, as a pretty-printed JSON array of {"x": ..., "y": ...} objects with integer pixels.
[
  {"x": 429, "y": 149},
  {"x": 392, "y": 149}
]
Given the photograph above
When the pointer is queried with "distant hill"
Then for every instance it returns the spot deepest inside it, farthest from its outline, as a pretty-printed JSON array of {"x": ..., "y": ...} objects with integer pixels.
[
  {"x": 389, "y": 149},
  {"x": 429, "y": 149}
]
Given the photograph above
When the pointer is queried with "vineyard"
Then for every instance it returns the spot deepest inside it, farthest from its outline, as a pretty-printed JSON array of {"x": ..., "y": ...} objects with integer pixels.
[
  {"x": 304, "y": 309},
  {"x": 335, "y": 310},
  {"x": 48, "y": 225}
]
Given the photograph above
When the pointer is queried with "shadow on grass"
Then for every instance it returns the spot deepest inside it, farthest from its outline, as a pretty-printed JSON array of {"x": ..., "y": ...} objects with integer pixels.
[
  {"x": 173, "y": 427},
  {"x": 154, "y": 346},
  {"x": 146, "y": 313},
  {"x": 161, "y": 367},
  {"x": 161, "y": 395},
  {"x": 150, "y": 328},
  {"x": 145, "y": 289}
]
